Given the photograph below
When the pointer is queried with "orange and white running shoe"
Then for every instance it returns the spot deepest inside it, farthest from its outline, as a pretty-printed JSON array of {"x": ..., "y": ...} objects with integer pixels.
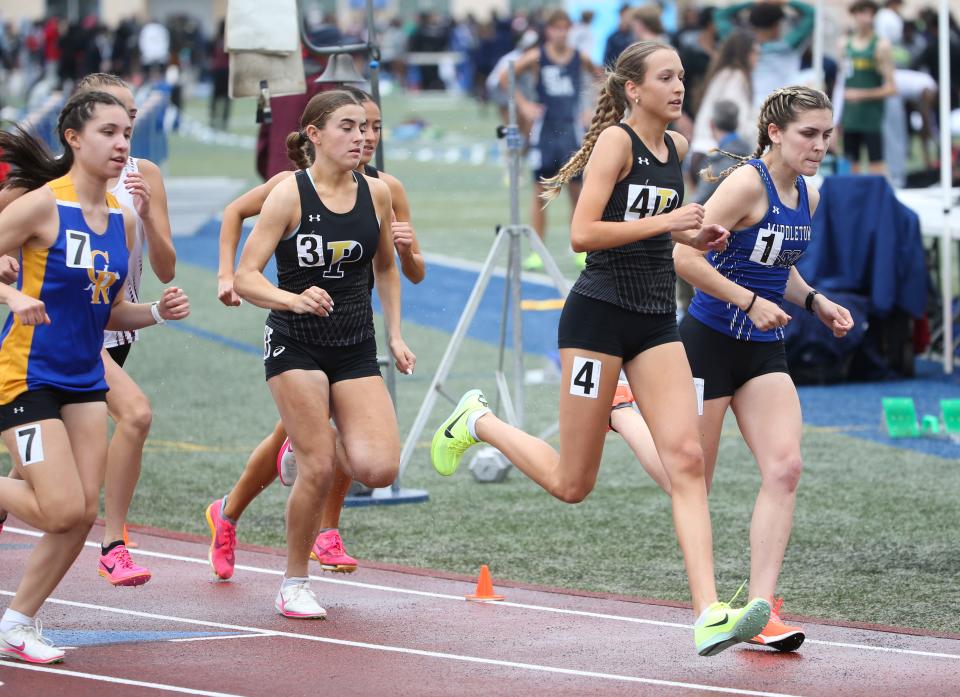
[
  {"x": 778, "y": 635},
  {"x": 328, "y": 550},
  {"x": 622, "y": 399}
]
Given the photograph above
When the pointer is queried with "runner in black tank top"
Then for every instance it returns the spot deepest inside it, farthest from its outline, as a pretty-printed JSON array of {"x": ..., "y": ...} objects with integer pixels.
[
  {"x": 625, "y": 218},
  {"x": 319, "y": 350}
]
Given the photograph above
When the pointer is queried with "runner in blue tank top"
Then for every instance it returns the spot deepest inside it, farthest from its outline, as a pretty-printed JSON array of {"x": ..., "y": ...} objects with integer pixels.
[
  {"x": 733, "y": 333},
  {"x": 557, "y": 129},
  {"x": 73, "y": 242}
]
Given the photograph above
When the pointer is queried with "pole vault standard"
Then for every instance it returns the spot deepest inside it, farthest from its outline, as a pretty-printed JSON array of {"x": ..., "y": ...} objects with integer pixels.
[{"x": 508, "y": 236}]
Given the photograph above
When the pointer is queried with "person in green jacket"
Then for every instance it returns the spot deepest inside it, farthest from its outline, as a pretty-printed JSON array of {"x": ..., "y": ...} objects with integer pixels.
[
  {"x": 780, "y": 51},
  {"x": 868, "y": 81}
]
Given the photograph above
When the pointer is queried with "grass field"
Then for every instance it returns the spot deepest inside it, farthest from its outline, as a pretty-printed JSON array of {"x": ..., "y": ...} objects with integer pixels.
[{"x": 875, "y": 538}]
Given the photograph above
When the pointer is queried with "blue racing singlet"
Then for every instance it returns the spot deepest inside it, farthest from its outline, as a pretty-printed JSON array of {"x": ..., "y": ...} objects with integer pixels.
[
  {"x": 558, "y": 88},
  {"x": 759, "y": 259},
  {"x": 77, "y": 277}
]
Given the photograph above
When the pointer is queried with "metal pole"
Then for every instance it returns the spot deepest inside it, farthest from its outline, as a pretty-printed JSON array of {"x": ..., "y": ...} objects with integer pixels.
[
  {"x": 514, "y": 147},
  {"x": 946, "y": 181},
  {"x": 818, "y": 42}
]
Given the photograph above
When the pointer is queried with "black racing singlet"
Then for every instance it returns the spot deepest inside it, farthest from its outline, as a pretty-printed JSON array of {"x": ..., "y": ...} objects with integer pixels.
[
  {"x": 332, "y": 251},
  {"x": 638, "y": 276}
]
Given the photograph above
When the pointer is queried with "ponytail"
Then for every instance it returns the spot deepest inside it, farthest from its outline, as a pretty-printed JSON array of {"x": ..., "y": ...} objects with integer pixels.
[{"x": 299, "y": 149}]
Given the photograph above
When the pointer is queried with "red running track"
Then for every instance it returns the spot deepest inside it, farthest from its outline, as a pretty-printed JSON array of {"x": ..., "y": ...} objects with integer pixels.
[{"x": 409, "y": 632}]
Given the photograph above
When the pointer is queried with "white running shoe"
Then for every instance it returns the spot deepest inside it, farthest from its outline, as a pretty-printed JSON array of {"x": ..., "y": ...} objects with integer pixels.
[
  {"x": 298, "y": 602},
  {"x": 26, "y": 643},
  {"x": 287, "y": 464}
]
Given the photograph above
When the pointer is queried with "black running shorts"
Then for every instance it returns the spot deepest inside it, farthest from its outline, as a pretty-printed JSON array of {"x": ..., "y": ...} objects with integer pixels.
[
  {"x": 600, "y": 326},
  {"x": 854, "y": 142},
  {"x": 43, "y": 403},
  {"x": 726, "y": 364},
  {"x": 282, "y": 353}
]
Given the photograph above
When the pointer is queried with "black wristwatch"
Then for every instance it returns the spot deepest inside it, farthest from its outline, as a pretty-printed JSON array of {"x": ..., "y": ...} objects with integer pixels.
[{"x": 808, "y": 303}]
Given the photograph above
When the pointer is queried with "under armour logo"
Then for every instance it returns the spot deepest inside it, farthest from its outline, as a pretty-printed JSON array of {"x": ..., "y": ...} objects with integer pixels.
[
  {"x": 643, "y": 160},
  {"x": 314, "y": 218},
  {"x": 18, "y": 410},
  {"x": 776, "y": 210}
]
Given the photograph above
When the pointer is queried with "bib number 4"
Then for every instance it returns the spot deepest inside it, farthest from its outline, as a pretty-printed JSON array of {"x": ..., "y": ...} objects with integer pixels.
[{"x": 585, "y": 377}]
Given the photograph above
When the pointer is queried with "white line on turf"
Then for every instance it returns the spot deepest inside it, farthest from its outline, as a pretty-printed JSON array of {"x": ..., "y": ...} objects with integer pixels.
[
  {"x": 418, "y": 652},
  {"x": 219, "y": 638},
  {"x": 539, "y": 608},
  {"x": 115, "y": 681}
]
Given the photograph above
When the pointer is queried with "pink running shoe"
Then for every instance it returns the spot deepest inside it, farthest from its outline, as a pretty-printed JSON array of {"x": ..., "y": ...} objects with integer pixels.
[
  {"x": 119, "y": 569},
  {"x": 2, "y": 521},
  {"x": 328, "y": 550},
  {"x": 224, "y": 541},
  {"x": 286, "y": 464}
]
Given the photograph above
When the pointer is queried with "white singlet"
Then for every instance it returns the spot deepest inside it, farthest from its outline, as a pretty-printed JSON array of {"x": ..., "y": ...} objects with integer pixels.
[{"x": 131, "y": 288}]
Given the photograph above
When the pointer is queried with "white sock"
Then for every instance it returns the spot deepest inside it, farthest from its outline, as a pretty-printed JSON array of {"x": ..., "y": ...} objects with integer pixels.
[
  {"x": 288, "y": 582},
  {"x": 12, "y": 618},
  {"x": 472, "y": 421}
]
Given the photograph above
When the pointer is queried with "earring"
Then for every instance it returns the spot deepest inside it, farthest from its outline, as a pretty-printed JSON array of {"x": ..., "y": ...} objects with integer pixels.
[{"x": 637, "y": 101}]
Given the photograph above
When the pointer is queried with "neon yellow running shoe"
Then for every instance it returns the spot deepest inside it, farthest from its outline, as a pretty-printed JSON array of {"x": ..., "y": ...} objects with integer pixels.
[
  {"x": 453, "y": 437},
  {"x": 720, "y": 627},
  {"x": 533, "y": 262}
]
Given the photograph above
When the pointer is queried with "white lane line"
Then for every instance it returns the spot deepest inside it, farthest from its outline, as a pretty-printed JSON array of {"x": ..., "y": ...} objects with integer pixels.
[
  {"x": 218, "y": 638},
  {"x": 418, "y": 652},
  {"x": 115, "y": 681},
  {"x": 539, "y": 608}
]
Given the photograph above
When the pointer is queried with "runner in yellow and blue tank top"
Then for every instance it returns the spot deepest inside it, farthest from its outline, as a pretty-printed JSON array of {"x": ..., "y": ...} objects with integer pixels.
[
  {"x": 72, "y": 240},
  {"x": 621, "y": 315},
  {"x": 733, "y": 332}
]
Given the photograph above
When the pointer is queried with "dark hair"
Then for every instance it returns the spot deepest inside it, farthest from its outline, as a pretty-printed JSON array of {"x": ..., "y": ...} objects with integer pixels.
[
  {"x": 861, "y": 5},
  {"x": 781, "y": 108},
  {"x": 631, "y": 66},
  {"x": 765, "y": 15},
  {"x": 649, "y": 16},
  {"x": 33, "y": 164},
  {"x": 558, "y": 15},
  {"x": 726, "y": 116},
  {"x": 299, "y": 148},
  {"x": 733, "y": 53}
]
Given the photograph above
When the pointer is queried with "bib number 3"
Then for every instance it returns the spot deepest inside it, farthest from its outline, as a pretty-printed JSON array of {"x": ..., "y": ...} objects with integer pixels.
[{"x": 585, "y": 377}]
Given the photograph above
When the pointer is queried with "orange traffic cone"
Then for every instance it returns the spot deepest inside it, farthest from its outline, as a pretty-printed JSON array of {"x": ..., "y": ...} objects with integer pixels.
[
  {"x": 484, "y": 587},
  {"x": 126, "y": 539}
]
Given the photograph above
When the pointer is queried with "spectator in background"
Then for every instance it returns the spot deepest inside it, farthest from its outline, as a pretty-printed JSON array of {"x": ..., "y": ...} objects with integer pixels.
[
  {"x": 124, "y": 39},
  {"x": 647, "y": 25},
  {"x": 581, "y": 34},
  {"x": 154, "y": 45},
  {"x": 525, "y": 83},
  {"x": 220, "y": 72},
  {"x": 432, "y": 35},
  {"x": 725, "y": 127},
  {"x": 929, "y": 59},
  {"x": 869, "y": 81},
  {"x": 696, "y": 47},
  {"x": 779, "y": 61},
  {"x": 619, "y": 39},
  {"x": 393, "y": 48},
  {"x": 888, "y": 23},
  {"x": 727, "y": 79}
]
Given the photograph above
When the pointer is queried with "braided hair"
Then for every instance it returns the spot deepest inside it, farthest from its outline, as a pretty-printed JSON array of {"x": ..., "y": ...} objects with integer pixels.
[
  {"x": 781, "y": 108},
  {"x": 631, "y": 66},
  {"x": 33, "y": 164}
]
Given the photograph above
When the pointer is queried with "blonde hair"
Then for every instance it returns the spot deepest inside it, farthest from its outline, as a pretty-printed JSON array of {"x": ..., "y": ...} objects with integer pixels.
[
  {"x": 631, "y": 66},
  {"x": 781, "y": 108}
]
